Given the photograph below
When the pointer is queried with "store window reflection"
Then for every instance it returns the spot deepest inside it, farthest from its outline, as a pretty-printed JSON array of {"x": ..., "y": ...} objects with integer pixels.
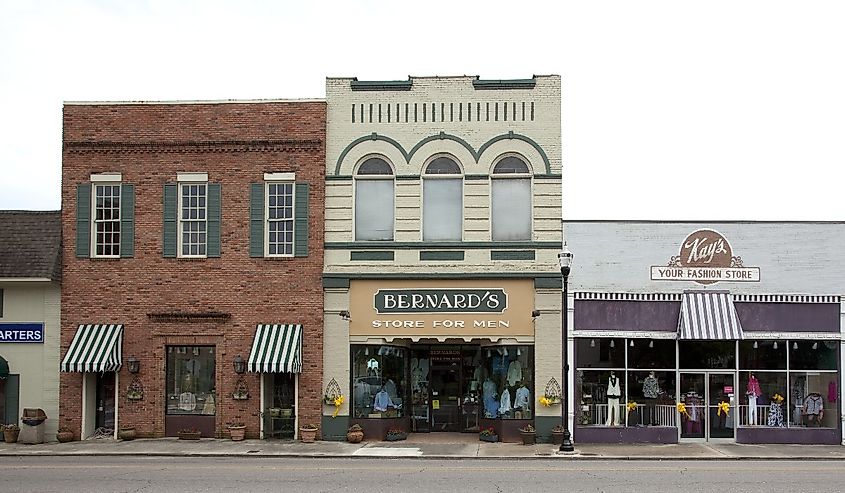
[
  {"x": 378, "y": 381},
  {"x": 191, "y": 380}
]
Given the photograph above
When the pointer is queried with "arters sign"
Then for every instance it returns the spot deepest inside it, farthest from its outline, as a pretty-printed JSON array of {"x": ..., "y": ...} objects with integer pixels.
[{"x": 705, "y": 257}]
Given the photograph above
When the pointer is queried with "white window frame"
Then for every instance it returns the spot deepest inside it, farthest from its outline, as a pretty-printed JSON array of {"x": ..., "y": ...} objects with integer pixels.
[
  {"x": 105, "y": 180},
  {"x": 190, "y": 180},
  {"x": 513, "y": 176},
  {"x": 424, "y": 176},
  {"x": 279, "y": 179},
  {"x": 356, "y": 177}
]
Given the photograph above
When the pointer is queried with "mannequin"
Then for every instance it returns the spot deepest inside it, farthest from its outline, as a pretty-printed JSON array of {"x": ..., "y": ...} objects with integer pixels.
[
  {"x": 522, "y": 399},
  {"x": 491, "y": 405},
  {"x": 650, "y": 391},
  {"x": 505, "y": 402},
  {"x": 753, "y": 392},
  {"x": 613, "y": 394}
]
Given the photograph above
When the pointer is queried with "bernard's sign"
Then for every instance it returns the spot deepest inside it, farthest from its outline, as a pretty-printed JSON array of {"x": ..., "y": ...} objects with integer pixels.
[
  {"x": 440, "y": 300},
  {"x": 705, "y": 257}
]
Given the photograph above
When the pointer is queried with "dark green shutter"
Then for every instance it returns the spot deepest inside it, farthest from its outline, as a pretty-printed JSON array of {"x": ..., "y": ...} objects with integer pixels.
[
  {"x": 300, "y": 224},
  {"x": 12, "y": 398},
  {"x": 256, "y": 220},
  {"x": 83, "y": 220},
  {"x": 127, "y": 220},
  {"x": 169, "y": 243},
  {"x": 213, "y": 221}
]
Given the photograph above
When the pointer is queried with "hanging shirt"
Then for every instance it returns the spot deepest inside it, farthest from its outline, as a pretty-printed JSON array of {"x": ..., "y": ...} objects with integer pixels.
[
  {"x": 514, "y": 373},
  {"x": 505, "y": 402},
  {"x": 522, "y": 399},
  {"x": 832, "y": 392},
  {"x": 489, "y": 388},
  {"x": 650, "y": 388},
  {"x": 753, "y": 387},
  {"x": 187, "y": 401},
  {"x": 382, "y": 401}
]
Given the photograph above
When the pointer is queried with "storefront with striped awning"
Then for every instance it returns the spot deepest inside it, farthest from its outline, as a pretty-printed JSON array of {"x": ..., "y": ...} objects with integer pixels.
[{"x": 277, "y": 354}]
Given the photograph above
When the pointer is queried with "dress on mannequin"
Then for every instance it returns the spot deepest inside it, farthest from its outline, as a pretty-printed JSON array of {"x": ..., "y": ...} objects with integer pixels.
[{"x": 753, "y": 392}]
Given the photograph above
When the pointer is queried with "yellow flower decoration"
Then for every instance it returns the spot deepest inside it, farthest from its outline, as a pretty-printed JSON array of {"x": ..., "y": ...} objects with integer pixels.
[
  {"x": 724, "y": 407},
  {"x": 544, "y": 401},
  {"x": 338, "y": 401},
  {"x": 682, "y": 408},
  {"x": 632, "y": 406},
  {"x": 777, "y": 398}
]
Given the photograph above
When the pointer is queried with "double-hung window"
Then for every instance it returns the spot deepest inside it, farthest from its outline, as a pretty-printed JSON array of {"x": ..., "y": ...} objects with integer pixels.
[
  {"x": 374, "y": 201},
  {"x": 105, "y": 217},
  {"x": 280, "y": 220},
  {"x": 443, "y": 200},
  {"x": 193, "y": 225},
  {"x": 510, "y": 215},
  {"x": 278, "y": 216}
]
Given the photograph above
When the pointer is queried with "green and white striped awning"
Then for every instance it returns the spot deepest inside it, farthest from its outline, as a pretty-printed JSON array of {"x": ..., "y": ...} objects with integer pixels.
[
  {"x": 277, "y": 348},
  {"x": 95, "y": 347}
]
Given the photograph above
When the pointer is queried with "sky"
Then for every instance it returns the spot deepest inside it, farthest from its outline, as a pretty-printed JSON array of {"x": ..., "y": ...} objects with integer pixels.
[{"x": 672, "y": 110}]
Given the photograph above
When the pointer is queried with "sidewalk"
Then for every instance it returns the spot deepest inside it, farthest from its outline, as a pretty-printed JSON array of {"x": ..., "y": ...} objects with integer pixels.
[{"x": 424, "y": 446}]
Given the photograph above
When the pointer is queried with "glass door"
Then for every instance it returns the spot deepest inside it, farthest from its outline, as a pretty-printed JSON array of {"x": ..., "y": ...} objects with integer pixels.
[
  {"x": 445, "y": 399},
  {"x": 721, "y": 405},
  {"x": 694, "y": 420}
]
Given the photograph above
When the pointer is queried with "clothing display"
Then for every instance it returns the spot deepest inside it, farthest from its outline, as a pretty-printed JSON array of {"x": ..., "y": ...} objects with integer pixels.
[
  {"x": 187, "y": 401},
  {"x": 775, "y": 415},
  {"x": 650, "y": 387},
  {"x": 382, "y": 401},
  {"x": 753, "y": 388},
  {"x": 813, "y": 404},
  {"x": 693, "y": 404},
  {"x": 505, "y": 402},
  {"x": 832, "y": 392},
  {"x": 522, "y": 400},
  {"x": 613, "y": 389},
  {"x": 613, "y": 394},
  {"x": 372, "y": 367},
  {"x": 208, "y": 408},
  {"x": 752, "y": 409},
  {"x": 491, "y": 405},
  {"x": 514, "y": 373},
  {"x": 390, "y": 388}
]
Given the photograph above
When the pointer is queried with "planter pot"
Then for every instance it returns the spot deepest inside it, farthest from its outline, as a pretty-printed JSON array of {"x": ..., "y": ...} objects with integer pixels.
[
  {"x": 11, "y": 436},
  {"x": 237, "y": 433},
  {"x": 528, "y": 438},
  {"x": 307, "y": 436},
  {"x": 64, "y": 436},
  {"x": 188, "y": 435},
  {"x": 126, "y": 433},
  {"x": 395, "y": 437},
  {"x": 354, "y": 436},
  {"x": 489, "y": 438},
  {"x": 557, "y": 437}
]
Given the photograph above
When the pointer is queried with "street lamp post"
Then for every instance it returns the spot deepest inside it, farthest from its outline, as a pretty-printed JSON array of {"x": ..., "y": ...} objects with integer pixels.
[{"x": 565, "y": 259}]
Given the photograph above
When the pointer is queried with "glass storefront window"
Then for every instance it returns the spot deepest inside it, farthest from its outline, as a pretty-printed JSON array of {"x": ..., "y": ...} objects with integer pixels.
[
  {"x": 600, "y": 353},
  {"x": 762, "y": 355},
  {"x": 702, "y": 355},
  {"x": 758, "y": 405},
  {"x": 504, "y": 376},
  {"x": 601, "y": 397},
  {"x": 813, "y": 355},
  {"x": 652, "y": 353},
  {"x": 191, "y": 380},
  {"x": 378, "y": 381},
  {"x": 813, "y": 399},
  {"x": 654, "y": 392}
]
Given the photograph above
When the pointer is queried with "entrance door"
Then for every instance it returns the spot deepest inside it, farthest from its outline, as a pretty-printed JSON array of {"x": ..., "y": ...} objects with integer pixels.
[
  {"x": 446, "y": 398},
  {"x": 105, "y": 401},
  {"x": 703, "y": 395}
]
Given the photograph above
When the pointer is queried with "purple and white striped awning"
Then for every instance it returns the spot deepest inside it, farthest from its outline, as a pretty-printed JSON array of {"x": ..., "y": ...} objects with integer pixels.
[{"x": 708, "y": 315}]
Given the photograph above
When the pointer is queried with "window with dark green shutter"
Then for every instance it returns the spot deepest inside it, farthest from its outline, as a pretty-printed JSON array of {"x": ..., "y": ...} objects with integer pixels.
[
  {"x": 83, "y": 220},
  {"x": 127, "y": 220},
  {"x": 213, "y": 221},
  {"x": 256, "y": 220},
  {"x": 169, "y": 241},
  {"x": 301, "y": 221}
]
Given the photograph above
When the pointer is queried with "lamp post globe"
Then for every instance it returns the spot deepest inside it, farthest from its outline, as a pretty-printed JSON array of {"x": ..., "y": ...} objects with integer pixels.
[{"x": 565, "y": 261}]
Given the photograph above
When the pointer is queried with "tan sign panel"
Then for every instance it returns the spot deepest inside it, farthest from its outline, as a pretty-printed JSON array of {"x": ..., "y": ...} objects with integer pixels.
[{"x": 434, "y": 308}]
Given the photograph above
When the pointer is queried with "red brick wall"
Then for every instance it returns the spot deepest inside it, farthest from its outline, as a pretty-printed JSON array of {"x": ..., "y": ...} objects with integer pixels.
[{"x": 235, "y": 143}]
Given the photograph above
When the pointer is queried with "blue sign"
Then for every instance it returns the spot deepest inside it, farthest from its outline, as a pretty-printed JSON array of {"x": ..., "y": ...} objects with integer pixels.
[{"x": 14, "y": 332}]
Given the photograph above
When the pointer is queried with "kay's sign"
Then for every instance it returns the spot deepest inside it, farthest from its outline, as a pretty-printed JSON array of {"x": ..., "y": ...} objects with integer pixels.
[{"x": 705, "y": 257}]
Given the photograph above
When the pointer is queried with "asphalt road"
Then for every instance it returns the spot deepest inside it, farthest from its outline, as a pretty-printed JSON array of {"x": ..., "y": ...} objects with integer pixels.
[{"x": 259, "y": 474}]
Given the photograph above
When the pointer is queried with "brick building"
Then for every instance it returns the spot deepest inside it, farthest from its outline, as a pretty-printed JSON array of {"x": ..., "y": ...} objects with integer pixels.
[{"x": 193, "y": 247}]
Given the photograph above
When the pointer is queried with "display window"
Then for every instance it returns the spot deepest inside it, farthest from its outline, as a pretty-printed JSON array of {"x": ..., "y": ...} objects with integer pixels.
[
  {"x": 379, "y": 385},
  {"x": 191, "y": 380},
  {"x": 601, "y": 353},
  {"x": 503, "y": 381},
  {"x": 707, "y": 355}
]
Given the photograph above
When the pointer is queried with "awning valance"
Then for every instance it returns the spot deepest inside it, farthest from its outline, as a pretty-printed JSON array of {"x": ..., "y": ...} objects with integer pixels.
[
  {"x": 95, "y": 347},
  {"x": 277, "y": 348},
  {"x": 708, "y": 315}
]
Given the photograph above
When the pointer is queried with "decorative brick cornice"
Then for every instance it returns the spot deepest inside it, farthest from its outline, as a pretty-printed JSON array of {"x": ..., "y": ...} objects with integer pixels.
[
  {"x": 189, "y": 317},
  {"x": 187, "y": 147}
]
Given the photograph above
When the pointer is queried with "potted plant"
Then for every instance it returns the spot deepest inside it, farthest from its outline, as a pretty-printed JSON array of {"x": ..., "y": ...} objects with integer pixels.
[
  {"x": 189, "y": 434},
  {"x": 395, "y": 434},
  {"x": 308, "y": 432},
  {"x": 126, "y": 432},
  {"x": 64, "y": 434},
  {"x": 237, "y": 431},
  {"x": 528, "y": 434},
  {"x": 557, "y": 434},
  {"x": 11, "y": 432},
  {"x": 488, "y": 435},
  {"x": 355, "y": 433}
]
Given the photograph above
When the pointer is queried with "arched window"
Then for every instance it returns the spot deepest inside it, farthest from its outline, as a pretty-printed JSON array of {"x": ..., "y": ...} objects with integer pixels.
[
  {"x": 510, "y": 215},
  {"x": 442, "y": 200},
  {"x": 374, "y": 199}
]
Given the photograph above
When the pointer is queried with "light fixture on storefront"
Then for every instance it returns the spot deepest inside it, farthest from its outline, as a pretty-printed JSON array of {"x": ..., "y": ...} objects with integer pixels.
[
  {"x": 565, "y": 261},
  {"x": 592, "y": 343},
  {"x": 133, "y": 365},
  {"x": 794, "y": 345},
  {"x": 344, "y": 314},
  {"x": 612, "y": 343},
  {"x": 775, "y": 345},
  {"x": 632, "y": 343},
  {"x": 651, "y": 344},
  {"x": 815, "y": 345},
  {"x": 239, "y": 364},
  {"x": 754, "y": 345}
]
